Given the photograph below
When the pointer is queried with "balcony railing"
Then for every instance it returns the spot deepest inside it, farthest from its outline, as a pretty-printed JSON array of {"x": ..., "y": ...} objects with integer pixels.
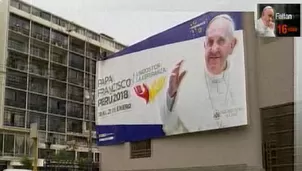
[
  {"x": 56, "y": 124},
  {"x": 38, "y": 118},
  {"x": 18, "y": 28},
  {"x": 59, "y": 43},
  {"x": 58, "y": 58},
  {"x": 77, "y": 49},
  {"x": 74, "y": 112},
  {"x": 38, "y": 70},
  {"x": 14, "y": 103},
  {"x": 92, "y": 55},
  {"x": 16, "y": 80},
  {"x": 80, "y": 141},
  {"x": 58, "y": 74},
  {"x": 41, "y": 37},
  {"x": 76, "y": 97},
  {"x": 38, "y": 87},
  {"x": 74, "y": 126},
  {"x": 38, "y": 106},
  {"x": 17, "y": 62},
  {"x": 16, "y": 45},
  {"x": 39, "y": 52},
  {"x": 58, "y": 92},
  {"x": 57, "y": 111},
  {"x": 14, "y": 117}
]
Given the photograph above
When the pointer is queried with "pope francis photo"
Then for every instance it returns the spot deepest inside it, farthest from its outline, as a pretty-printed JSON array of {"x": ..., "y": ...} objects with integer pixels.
[{"x": 215, "y": 101}]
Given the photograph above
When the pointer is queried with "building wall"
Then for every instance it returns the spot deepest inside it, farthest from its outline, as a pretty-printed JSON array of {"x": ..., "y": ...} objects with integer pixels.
[
  {"x": 276, "y": 72},
  {"x": 298, "y": 99},
  {"x": 3, "y": 42},
  {"x": 269, "y": 69}
]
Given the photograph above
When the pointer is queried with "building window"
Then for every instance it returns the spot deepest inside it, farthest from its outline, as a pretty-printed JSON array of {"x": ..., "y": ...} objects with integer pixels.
[
  {"x": 76, "y": 77},
  {"x": 29, "y": 146},
  {"x": 38, "y": 118},
  {"x": 21, "y": 6},
  {"x": 77, "y": 45},
  {"x": 38, "y": 85},
  {"x": 41, "y": 14},
  {"x": 38, "y": 67},
  {"x": 57, "y": 89},
  {"x": 56, "y": 124},
  {"x": 278, "y": 136},
  {"x": 37, "y": 102},
  {"x": 93, "y": 66},
  {"x": 75, "y": 93},
  {"x": 25, "y": 7},
  {"x": 19, "y": 24},
  {"x": 14, "y": 117},
  {"x": 59, "y": 57},
  {"x": 15, "y": 3},
  {"x": 58, "y": 39},
  {"x": 93, "y": 36},
  {"x": 19, "y": 145},
  {"x": 59, "y": 138},
  {"x": 40, "y": 32},
  {"x": 108, "y": 41},
  {"x": 1, "y": 143},
  {"x": 80, "y": 30},
  {"x": 9, "y": 140},
  {"x": 80, "y": 141},
  {"x": 97, "y": 157},
  {"x": 59, "y": 21},
  {"x": 17, "y": 61},
  {"x": 18, "y": 45},
  {"x": 15, "y": 98},
  {"x": 76, "y": 61},
  {"x": 42, "y": 136},
  {"x": 140, "y": 149},
  {"x": 57, "y": 106},
  {"x": 16, "y": 79},
  {"x": 87, "y": 65},
  {"x": 74, "y": 126},
  {"x": 75, "y": 110},
  {"x": 92, "y": 113},
  {"x": 92, "y": 51},
  {"x": 92, "y": 126},
  {"x": 58, "y": 72}
]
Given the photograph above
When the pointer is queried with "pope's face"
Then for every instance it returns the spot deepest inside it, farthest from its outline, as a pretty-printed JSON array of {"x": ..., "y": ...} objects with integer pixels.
[
  {"x": 268, "y": 16},
  {"x": 218, "y": 46}
]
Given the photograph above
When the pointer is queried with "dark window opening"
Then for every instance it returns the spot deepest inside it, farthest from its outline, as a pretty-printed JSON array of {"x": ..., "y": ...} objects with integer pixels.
[{"x": 140, "y": 149}]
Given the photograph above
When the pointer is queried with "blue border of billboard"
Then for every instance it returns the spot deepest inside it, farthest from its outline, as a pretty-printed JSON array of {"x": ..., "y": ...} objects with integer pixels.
[{"x": 179, "y": 33}]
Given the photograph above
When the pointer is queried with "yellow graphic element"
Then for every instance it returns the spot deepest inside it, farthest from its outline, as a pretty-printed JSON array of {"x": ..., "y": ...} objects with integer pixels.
[{"x": 156, "y": 86}]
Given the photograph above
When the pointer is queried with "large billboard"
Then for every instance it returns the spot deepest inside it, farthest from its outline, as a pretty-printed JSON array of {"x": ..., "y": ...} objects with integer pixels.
[{"x": 187, "y": 79}]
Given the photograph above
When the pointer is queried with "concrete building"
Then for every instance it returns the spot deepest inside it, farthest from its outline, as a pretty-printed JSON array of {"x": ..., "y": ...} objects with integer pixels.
[
  {"x": 46, "y": 64},
  {"x": 267, "y": 142}
]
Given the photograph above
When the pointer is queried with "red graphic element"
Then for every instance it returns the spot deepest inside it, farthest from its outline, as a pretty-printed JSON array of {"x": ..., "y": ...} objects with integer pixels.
[{"x": 142, "y": 91}]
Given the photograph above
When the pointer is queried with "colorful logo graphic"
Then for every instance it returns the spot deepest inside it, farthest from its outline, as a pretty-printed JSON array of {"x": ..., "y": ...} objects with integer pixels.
[{"x": 149, "y": 93}]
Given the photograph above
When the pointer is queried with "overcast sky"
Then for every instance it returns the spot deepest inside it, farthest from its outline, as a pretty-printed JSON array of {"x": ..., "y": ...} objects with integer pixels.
[{"x": 130, "y": 21}]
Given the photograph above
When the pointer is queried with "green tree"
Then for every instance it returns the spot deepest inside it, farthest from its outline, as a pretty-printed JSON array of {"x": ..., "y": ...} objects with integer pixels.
[
  {"x": 83, "y": 164},
  {"x": 63, "y": 155},
  {"x": 27, "y": 163}
]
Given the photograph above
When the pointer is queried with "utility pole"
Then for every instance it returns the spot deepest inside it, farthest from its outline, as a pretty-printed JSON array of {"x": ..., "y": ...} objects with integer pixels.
[{"x": 34, "y": 136}]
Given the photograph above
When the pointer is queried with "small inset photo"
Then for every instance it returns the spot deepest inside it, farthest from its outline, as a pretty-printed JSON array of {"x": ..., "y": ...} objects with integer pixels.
[{"x": 278, "y": 20}]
